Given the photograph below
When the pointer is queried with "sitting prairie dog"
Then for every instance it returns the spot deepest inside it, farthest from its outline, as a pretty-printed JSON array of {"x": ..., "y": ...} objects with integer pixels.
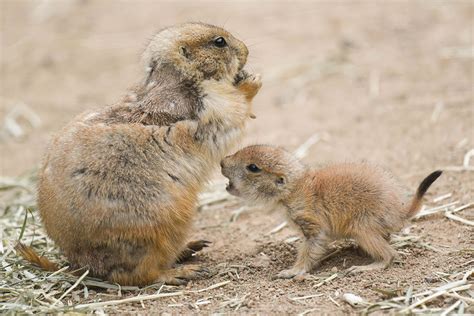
[
  {"x": 118, "y": 187},
  {"x": 347, "y": 200}
]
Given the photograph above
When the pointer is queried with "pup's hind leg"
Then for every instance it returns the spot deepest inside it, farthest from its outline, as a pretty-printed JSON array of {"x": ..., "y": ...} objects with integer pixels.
[{"x": 378, "y": 248}]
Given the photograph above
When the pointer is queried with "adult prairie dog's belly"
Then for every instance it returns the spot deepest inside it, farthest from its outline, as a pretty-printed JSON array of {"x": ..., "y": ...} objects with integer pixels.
[{"x": 106, "y": 176}]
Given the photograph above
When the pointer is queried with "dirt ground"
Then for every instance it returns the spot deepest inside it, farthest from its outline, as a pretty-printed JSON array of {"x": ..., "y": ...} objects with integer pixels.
[{"x": 389, "y": 82}]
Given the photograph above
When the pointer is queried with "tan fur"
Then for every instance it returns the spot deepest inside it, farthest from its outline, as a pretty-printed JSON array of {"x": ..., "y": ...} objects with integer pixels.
[
  {"x": 348, "y": 200},
  {"x": 118, "y": 187}
]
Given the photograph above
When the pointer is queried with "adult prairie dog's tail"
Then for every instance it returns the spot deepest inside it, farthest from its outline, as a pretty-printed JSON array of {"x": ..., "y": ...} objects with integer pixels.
[
  {"x": 30, "y": 255},
  {"x": 422, "y": 188}
]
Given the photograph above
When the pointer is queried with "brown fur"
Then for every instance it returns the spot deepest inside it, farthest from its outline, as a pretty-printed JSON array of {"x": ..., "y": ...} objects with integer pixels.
[
  {"x": 118, "y": 187},
  {"x": 29, "y": 254},
  {"x": 348, "y": 200}
]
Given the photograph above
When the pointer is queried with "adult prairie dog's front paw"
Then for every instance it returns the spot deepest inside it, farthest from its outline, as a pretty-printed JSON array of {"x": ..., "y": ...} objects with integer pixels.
[{"x": 248, "y": 84}]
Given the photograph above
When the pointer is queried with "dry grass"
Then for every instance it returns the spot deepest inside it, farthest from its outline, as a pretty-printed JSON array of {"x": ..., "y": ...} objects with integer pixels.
[{"x": 427, "y": 302}]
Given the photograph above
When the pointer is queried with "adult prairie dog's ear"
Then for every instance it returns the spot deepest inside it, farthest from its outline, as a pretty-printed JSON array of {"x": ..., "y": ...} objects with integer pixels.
[{"x": 183, "y": 51}]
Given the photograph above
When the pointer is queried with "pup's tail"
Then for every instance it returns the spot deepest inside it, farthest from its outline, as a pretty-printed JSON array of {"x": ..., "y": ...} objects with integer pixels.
[
  {"x": 30, "y": 255},
  {"x": 422, "y": 188}
]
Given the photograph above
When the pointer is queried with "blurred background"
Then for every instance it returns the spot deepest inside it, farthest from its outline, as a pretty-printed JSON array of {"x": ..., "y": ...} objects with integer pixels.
[{"x": 388, "y": 81}]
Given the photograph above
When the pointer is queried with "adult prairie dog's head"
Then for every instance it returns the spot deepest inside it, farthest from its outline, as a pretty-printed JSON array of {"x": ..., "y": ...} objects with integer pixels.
[
  {"x": 198, "y": 51},
  {"x": 261, "y": 173}
]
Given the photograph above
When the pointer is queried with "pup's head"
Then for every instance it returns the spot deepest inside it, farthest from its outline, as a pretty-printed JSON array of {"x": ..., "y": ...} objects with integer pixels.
[
  {"x": 261, "y": 173},
  {"x": 199, "y": 51}
]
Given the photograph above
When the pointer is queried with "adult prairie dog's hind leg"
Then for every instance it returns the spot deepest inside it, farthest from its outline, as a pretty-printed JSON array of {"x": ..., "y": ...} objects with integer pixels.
[
  {"x": 378, "y": 248},
  {"x": 309, "y": 254},
  {"x": 182, "y": 274},
  {"x": 154, "y": 267},
  {"x": 175, "y": 276}
]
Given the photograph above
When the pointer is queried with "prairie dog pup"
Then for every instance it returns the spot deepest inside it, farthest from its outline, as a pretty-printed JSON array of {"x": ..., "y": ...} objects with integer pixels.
[
  {"x": 118, "y": 187},
  {"x": 347, "y": 200}
]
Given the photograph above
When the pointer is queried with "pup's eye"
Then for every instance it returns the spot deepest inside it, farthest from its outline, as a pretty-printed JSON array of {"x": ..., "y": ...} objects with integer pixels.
[
  {"x": 253, "y": 168},
  {"x": 220, "y": 42}
]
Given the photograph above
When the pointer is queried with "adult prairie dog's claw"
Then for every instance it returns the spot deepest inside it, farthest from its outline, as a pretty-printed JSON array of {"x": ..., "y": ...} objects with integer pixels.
[{"x": 249, "y": 86}]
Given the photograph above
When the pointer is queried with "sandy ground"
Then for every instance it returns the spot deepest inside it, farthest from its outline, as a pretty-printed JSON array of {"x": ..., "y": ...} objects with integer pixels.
[{"x": 390, "y": 82}]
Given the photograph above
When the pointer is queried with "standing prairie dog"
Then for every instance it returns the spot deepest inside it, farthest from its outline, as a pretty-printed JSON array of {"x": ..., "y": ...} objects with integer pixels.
[
  {"x": 347, "y": 200},
  {"x": 118, "y": 187}
]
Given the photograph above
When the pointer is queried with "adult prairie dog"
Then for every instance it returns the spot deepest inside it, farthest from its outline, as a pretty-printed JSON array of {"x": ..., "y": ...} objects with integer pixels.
[
  {"x": 347, "y": 200},
  {"x": 118, "y": 187}
]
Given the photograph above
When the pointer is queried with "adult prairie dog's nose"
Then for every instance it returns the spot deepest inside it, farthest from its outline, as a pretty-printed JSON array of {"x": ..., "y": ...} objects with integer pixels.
[
  {"x": 242, "y": 54},
  {"x": 245, "y": 51}
]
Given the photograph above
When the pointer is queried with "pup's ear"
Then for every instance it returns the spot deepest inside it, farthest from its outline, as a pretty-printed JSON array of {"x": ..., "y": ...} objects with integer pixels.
[{"x": 280, "y": 180}]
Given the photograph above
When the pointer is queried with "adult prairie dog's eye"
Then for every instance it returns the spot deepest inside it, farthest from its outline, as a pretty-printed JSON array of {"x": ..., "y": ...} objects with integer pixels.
[
  {"x": 253, "y": 168},
  {"x": 220, "y": 42}
]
